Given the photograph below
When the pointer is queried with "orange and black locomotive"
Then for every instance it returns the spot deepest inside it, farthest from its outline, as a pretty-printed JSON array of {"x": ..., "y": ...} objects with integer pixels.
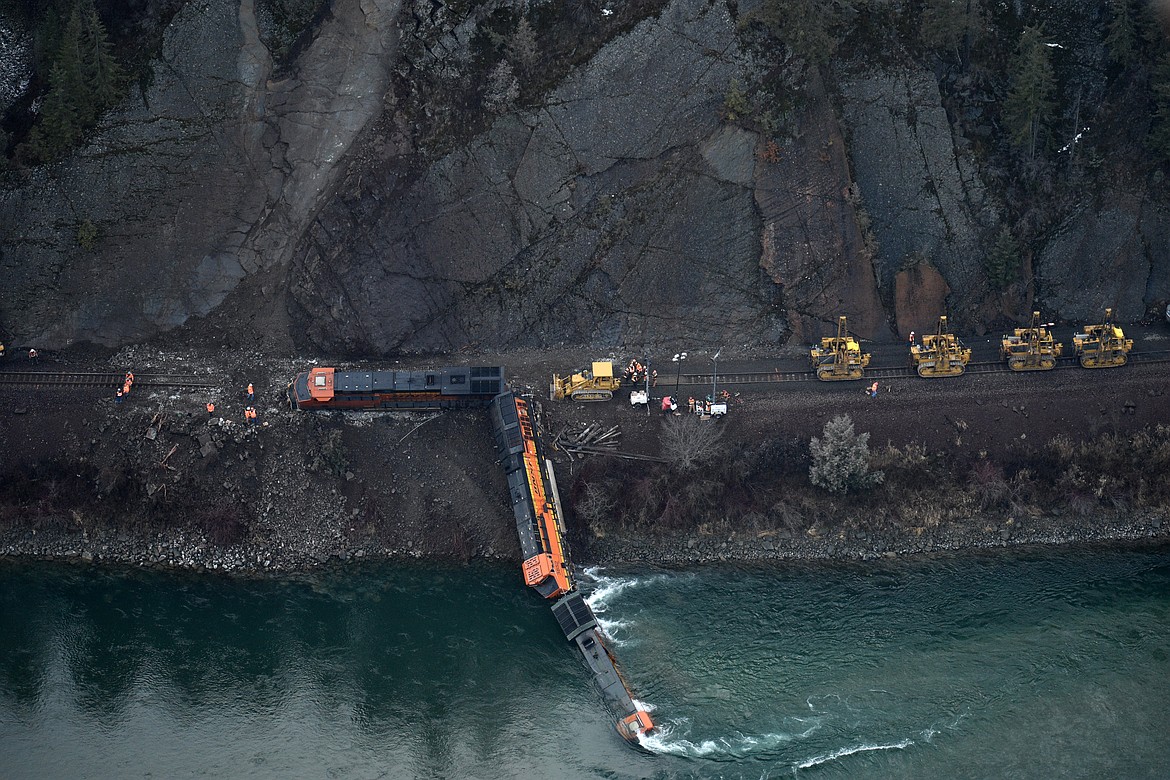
[{"x": 445, "y": 388}]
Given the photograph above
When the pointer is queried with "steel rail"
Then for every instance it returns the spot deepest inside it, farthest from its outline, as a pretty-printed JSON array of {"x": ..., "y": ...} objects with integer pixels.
[
  {"x": 78, "y": 379},
  {"x": 988, "y": 367}
]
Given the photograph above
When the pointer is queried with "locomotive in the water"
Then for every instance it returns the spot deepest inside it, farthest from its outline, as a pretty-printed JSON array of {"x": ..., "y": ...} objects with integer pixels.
[{"x": 445, "y": 388}]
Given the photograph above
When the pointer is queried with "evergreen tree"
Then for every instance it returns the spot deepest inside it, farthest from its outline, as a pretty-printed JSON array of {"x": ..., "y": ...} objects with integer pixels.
[
  {"x": 84, "y": 81},
  {"x": 953, "y": 25},
  {"x": 840, "y": 458},
  {"x": 102, "y": 74},
  {"x": 522, "y": 48},
  {"x": 1029, "y": 103},
  {"x": 71, "y": 60},
  {"x": 503, "y": 89},
  {"x": 808, "y": 28},
  {"x": 1003, "y": 261},
  {"x": 1159, "y": 139},
  {"x": 1122, "y": 37},
  {"x": 59, "y": 127}
]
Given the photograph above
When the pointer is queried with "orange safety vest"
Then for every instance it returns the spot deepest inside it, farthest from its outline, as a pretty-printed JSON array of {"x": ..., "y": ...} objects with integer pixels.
[
  {"x": 210, "y": 408},
  {"x": 126, "y": 387}
]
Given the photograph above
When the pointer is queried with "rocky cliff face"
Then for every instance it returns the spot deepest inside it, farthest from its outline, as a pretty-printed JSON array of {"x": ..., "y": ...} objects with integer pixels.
[
  {"x": 1111, "y": 251},
  {"x": 622, "y": 206},
  {"x": 205, "y": 178},
  {"x": 621, "y": 210},
  {"x": 918, "y": 182}
]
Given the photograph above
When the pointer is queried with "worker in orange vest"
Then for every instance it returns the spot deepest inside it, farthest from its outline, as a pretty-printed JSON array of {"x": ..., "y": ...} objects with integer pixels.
[
  {"x": 251, "y": 394},
  {"x": 210, "y": 408}
]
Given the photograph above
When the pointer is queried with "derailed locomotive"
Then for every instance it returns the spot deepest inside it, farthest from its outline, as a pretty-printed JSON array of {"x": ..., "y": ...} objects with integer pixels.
[
  {"x": 546, "y": 567},
  {"x": 446, "y": 388}
]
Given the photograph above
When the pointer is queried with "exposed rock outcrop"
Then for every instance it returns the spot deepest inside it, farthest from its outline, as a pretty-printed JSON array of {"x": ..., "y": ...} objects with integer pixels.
[
  {"x": 920, "y": 297},
  {"x": 918, "y": 182},
  {"x": 207, "y": 176},
  {"x": 1109, "y": 255},
  {"x": 619, "y": 211},
  {"x": 812, "y": 243},
  {"x": 362, "y": 192}
]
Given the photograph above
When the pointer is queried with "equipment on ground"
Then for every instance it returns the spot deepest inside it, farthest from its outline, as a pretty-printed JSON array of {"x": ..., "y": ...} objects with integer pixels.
[
  {"x": 639, "y": 398},
  {"x": 839, "y": 357},
  {"x": 940, "y": 354},
  {"x": 1032, "y": 348},
  {"x": 597, "y": 384},
  {"x": 1103, "y": 345}
]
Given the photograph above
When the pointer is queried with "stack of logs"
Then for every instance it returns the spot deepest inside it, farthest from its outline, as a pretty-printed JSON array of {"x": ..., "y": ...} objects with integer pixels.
[{"x": 587, "y": 439}]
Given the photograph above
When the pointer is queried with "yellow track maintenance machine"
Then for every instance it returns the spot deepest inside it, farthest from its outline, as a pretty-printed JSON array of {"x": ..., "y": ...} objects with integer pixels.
[
  {"x": 839, "y": 357},
  {"x": 1032, "y": 348},
  {"x": 597, "y": 384},
  {"x": 940, "y": 354},
  {"x": 1102, "y": 346}
]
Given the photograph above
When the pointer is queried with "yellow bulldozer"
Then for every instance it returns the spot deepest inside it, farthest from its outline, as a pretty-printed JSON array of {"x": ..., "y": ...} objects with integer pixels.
[
  {"x": 1032, "y": 348},
  {"x": 839, "y": 357},
  {"x": 596, "y": 384},
  {"x": 1103, "y": 345},
  {"x": 940, "y": 354}
]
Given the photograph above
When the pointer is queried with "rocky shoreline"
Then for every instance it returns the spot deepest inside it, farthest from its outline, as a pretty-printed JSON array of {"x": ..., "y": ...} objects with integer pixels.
[{"x": 179, "y": 550}]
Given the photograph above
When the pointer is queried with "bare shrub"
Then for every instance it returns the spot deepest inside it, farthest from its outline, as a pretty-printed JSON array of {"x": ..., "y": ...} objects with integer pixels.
[
  {"x": 596, "y": 503},
  {"x": 333, "y": 454},
  {"x": 1081, "y": 504},
  {"x": 907, "y": 466},
  {"x": 781, "y": 457},
  {"x": 223, "y": 524},
  {"x": 688, "y": 442},
  {"x": 987, "y": 483},
  {"x": 1023, "y": 489}
]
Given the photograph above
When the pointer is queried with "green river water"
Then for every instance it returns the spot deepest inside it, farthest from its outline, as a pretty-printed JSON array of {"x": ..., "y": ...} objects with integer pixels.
[{"x": 1036, "y": 664}]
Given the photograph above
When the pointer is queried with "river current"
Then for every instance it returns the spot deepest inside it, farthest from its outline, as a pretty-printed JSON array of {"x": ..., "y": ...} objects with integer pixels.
[{"x": 1034, "y": 664}]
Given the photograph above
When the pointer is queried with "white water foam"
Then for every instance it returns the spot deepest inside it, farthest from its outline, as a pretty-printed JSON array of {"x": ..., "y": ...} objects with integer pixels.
[
  {"x": 735, "y": 745},
  {"x": 603, "y": 590},
  {"x": 848, "y": 751}
]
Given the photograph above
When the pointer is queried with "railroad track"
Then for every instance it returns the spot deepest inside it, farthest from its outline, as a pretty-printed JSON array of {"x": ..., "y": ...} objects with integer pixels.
[
  {"x": 990, "y": 367},
  {"x": 68, "y": 379}
]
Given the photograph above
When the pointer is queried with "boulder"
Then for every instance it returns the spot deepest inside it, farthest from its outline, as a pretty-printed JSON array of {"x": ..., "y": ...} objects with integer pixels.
[{"x": 920, "y": 298}]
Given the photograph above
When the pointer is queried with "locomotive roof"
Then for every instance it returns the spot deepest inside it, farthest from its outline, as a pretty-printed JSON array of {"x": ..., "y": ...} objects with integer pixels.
[{"x": 413, "y": 381}]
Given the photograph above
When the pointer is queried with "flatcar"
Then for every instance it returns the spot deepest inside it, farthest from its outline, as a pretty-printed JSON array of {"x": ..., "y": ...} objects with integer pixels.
[{"x": 445, "y": 388}]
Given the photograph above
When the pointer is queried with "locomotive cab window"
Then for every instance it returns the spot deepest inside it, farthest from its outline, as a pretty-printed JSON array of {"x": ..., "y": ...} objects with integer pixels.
[
  {"x": 430, "y": 379},
  {"x": 458, "y": 379},
  {"x": 319, "y": 380}
]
